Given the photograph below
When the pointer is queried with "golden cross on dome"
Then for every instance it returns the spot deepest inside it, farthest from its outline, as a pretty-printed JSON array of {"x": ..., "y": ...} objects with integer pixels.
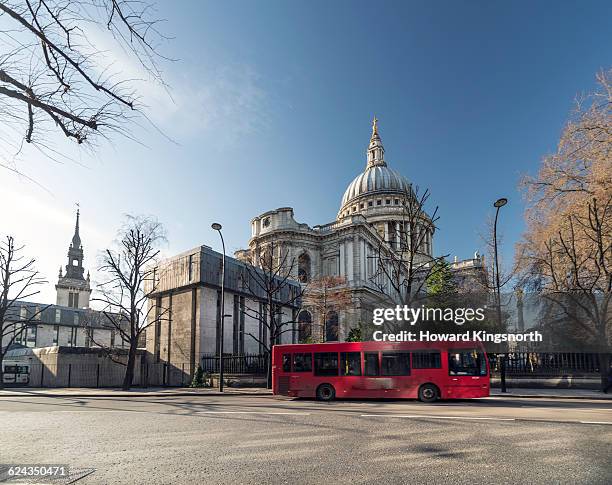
[{"x": 375, "y": 126}]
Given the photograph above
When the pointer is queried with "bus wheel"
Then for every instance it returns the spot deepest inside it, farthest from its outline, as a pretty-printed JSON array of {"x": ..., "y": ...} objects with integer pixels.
[
  {"x": 429, "y": 393},
  {"x": 326, "y": 392}
]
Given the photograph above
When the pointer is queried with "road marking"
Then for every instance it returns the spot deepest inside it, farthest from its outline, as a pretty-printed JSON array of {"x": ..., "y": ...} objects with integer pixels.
[
  {"x": 434, "y": 417},
  {"x": 252, "y": 412},
  {"x": 480, "y": 418}
]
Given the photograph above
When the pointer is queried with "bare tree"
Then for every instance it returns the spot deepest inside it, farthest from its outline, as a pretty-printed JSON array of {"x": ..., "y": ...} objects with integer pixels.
[
  {"x": 51, "y": 76},
  {"x": 327, "y": 295},
  {"x": 19, "y": 280},
  {"x": 481, "y": 289},
  {"x": 403, "y": 263},
  {"x": 566, "y": 252},
  {"x": 268, "y": 280},
  {"x": 131, "y": 279}
]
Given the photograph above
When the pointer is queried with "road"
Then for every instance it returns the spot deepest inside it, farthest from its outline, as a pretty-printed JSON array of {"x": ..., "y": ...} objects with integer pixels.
[{"x": 262, "y": 439}]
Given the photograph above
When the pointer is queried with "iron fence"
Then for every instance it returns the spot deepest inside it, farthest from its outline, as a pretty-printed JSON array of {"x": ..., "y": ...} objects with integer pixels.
[
  {"x": 253, "y": 364},
  {"x": 98, "y": 375},
  {"x": 546, "y": 364}
]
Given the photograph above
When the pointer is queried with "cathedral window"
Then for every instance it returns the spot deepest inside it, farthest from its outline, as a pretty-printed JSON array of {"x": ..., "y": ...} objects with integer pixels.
[
  {"x": 266, "y": 222},
  {"x": 396, "y": 201},
  {"x": 388, "y": 201},
  {"x": 361, "y": 206},
  {"x": 304, "y": 268},
  {"x": 304, "y": 327},
  {"x": 379, "y": 202},
  {"x": 331, "y": 327},
  {"x": 370, "y": 203}
]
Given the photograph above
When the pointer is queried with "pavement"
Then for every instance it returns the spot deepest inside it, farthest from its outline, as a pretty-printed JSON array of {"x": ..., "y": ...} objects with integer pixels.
[
  {"x": 253, "y": 439},
  {"x": 258, "y": 391}
]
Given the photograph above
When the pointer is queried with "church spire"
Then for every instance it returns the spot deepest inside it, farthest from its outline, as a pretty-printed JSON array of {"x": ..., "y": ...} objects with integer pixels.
[
  {"x": 74, "y": 268},
  {"x": 73, "y": 289},
  {"x": 76, "y": 239},
  {"x": 376, "y": 151}
]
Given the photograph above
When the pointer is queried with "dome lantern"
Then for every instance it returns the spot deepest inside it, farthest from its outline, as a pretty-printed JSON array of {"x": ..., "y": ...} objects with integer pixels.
[{"x": 376, "y": 151}]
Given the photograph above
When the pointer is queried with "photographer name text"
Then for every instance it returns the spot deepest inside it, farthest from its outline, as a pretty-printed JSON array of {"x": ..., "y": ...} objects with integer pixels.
[{"x": 474, "y": 335}]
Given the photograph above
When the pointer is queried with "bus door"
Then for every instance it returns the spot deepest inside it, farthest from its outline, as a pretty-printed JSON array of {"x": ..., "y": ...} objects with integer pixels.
[
  {"x": 467, "y": 371},
  {"x": 351, "y": 383},
  {"x": 301, "y": 376}
]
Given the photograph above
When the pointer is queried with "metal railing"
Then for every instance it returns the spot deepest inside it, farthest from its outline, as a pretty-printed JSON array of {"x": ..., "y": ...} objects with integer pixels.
[
  {"x": 253, "y": 364},
  {"x": 99, "y": 375},
  {"x": 546, "y": 364}
]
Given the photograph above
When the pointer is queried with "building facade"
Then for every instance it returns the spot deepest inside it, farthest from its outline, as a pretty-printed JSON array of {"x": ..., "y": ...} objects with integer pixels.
[
  {"x": 186, "y": 292},
  {"x": 371, "y": 219},
  {"x": 62, "y": 326}
]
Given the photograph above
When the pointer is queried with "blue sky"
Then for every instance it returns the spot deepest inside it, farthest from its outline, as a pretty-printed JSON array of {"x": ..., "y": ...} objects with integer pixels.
[{"x": 271, "y": 107}]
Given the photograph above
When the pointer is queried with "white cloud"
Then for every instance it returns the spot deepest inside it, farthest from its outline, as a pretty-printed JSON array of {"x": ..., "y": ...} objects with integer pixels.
[{"x": 227, "y": 98}]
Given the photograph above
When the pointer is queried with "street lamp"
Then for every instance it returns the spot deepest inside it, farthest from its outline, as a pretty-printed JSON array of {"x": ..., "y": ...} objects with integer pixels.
[
  {"x": 498, "y": 204},
  {"x": 217, "y": 227}
]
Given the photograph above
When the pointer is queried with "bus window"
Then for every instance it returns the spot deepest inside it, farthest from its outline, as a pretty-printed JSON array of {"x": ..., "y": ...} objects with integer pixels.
[
  {"x": 325, "y": 364},
  {"x": 302, "y": 362},
  {"x": 10, "y": 369},
  {"x": 395, "y": 364},
  {"x": 370, "y": 360},
  {"x": 350, "y": 363},
  {"x": 286, "y": 362},
  {"x": 466, "y": 363},
  {"x": 426, "y": 360}
]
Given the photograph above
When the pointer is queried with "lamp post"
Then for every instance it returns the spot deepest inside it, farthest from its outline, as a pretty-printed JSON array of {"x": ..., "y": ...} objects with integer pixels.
[
  {"x": 498, "y": 204},
  {"x": 217, "y": 227}
]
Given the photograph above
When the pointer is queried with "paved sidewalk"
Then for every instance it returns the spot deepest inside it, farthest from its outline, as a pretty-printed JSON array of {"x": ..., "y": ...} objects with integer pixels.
[
  {"x": 549, "y": 393},
  {"x": 135, "y": 392}
]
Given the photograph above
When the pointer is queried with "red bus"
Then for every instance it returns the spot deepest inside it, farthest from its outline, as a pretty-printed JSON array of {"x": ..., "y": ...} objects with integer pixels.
[{"x": 423, "y": 370}]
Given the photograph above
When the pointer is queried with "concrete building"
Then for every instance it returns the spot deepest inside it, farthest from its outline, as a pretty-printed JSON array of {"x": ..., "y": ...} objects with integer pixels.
[
  {"x": 188, "y": 291},
  {"x": 371, "y": 218}
]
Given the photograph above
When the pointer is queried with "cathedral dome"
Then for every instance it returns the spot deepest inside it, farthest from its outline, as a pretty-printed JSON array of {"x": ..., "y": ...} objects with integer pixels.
[{"x": 376, "y": 179}]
